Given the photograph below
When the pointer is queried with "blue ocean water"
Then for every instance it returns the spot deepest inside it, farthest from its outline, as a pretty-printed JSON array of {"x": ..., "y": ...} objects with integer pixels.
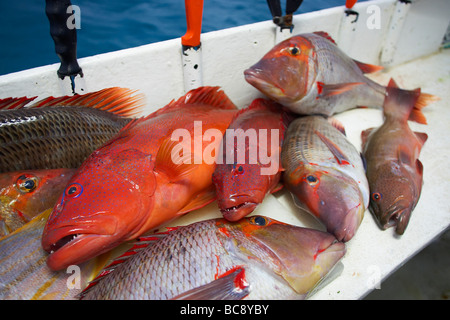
[{"x": 109, "y": 25}]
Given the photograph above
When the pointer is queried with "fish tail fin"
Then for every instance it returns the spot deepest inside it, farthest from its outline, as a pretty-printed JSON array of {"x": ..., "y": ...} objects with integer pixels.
[
  {"x": 120, "y": 101},
  {"x": 407, "y": 104},
  {"x": 423, "y": 100}
]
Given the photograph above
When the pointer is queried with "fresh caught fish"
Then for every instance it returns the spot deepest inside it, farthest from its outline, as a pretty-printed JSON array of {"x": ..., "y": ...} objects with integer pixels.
[
  {"x": 309, "y": 74},
  {"x": 256, "y": 134},
  {"x": 146, "y": 175},
  {"x": 325, "y": 174},
  {"x": 61, "y": 132},
  {"x": 393, "y": 169},
  {"x": 254, "y": 258},
  {"x": 24, "y": 274},
  {"x": 25, "y": 194}
]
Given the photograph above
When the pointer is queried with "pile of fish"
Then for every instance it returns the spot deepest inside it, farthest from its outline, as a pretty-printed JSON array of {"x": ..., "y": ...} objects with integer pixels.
[{"x": 108, "y": 180}]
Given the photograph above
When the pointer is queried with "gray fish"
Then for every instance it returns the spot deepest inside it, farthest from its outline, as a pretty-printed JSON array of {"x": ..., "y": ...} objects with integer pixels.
[
  {"x": 325, "y": 174},
  {"x": 253, "y": 258},
  {"x": 309, "y": 74},
  {"x": 61, "y": 132}
]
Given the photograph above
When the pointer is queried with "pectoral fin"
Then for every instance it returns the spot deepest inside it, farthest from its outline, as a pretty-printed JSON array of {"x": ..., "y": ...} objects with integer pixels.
[
  {"x": 335, "y": 150},
  {"x": 170, "y": 163},
  {"x": 200, "y": 200},
  {"x": 326, "y": 90},
  {"x": 231, "y": 286}
]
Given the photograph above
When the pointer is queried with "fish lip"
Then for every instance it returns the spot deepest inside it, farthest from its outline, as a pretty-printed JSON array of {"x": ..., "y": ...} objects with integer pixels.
[
  {"x": 64, "y": 257},
  {"x": 239, "y": 211},
  {"x": 351, "y": 223},
  {"x": 253, "y": 76},
  {"x": 396, "y": 216},
  {"x": 73, "y": 236}
]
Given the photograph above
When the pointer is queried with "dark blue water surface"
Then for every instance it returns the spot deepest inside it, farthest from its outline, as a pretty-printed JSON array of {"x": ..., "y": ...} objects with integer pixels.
[{"x": 109, "y": 25}]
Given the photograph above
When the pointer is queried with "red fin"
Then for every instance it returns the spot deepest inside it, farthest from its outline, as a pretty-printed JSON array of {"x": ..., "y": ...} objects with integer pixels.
[
  {"x": 200, "y": 200},
  {"x": 422, "y": 136},
  {"x": 368, "y": 68},
  {"x": 404, "y": 154},
  {"x": 14, "y": 103},
  {"x": 212, "y": 96},
  {"x": 230, "y": 286},
  {"x": 277, "y": 187},
  {"x": 365, "y": 136},
  {"x": 423, "y": 100},
  {"x": 337, "y": 124},
  {"x": 164, "y": 162},
  {"x": 325, "y": 35},
  {"x": 326, "y": 90},
  {"x": 120, "y": 101},
  {"x": 335, "y": 150}
]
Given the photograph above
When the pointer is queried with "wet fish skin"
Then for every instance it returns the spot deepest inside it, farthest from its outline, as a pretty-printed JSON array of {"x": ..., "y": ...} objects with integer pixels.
[
  {"x": 325, "y": 175},
  {"x": 24, "y": 274},
  {"x": 309, "y": 74},
  {"x": 61, "y": 132},
  {"x": 25, "y": 194},
  {"x": 242, "y": 185},
  {"x": 254, "y": 258},
  {"x": 394, "y": 171},
  {"x": 132, "y": 184}
]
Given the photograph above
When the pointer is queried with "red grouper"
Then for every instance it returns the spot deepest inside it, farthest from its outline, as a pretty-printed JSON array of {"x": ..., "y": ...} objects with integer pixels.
[
  {"x": 250, "y": 166},
  {"x": 148, "y": 174},
  {"x": 25, "y": 194},
  {"x": 253, "y": 258},
  {"x": 325, "y": 174},
  {"x": 309, "y": 74},
  {"x": 393, "y": 169}
]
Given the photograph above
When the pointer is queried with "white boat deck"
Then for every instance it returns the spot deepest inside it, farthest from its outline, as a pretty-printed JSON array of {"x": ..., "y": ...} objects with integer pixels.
[{"x": 372, "y": 255}]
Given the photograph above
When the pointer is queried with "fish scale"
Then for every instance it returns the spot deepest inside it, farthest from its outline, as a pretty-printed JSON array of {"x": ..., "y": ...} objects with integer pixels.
[{"x": 61, "y": 132}]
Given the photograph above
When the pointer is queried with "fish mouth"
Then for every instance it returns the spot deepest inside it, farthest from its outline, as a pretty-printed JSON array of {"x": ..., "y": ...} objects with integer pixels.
[
  {"x": 72, "y": 245},
  {"x": 238, "y": 211},
  {"x": 350, "y": 223},
  {"x": 256, "y": 79},
  {"x": 305, "y": 256},
  {"x": 397, "y": 216}
]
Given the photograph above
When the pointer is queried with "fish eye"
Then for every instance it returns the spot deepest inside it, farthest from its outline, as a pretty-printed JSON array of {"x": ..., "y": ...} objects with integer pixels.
[
  {"x": 295, "y": 51},
  {"x": 259, "y": 221},
  {"x": 27, "y": 183},
  {"x": 74, "y": 190},
  {"x": 312, "y": 180},
  {"x": 376, "y": 196},
  {"x": 240, "y": 170}
]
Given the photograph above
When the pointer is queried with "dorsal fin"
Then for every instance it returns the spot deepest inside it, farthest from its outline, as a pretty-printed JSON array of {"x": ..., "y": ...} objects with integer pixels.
[
  {"x": 139, "y": 244},
  {"x": 326, "y": 35},
  {"x": 15, "y": 103},
  {"x": 120, "y": 101},
  {"x": 212, "y": 96}
]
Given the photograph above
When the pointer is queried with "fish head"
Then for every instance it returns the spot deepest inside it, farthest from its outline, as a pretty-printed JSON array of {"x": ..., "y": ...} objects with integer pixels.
[
  {"x": 29, "y": 192},
  {"x": 301, "y": 256},
  {"x": 287, "y": 72},
  {"x": 104, "y": 204},
  {"x": 239, "y": 188},
  {"x": 394, "y": 193},
  {"x": 331, "y": 196}
]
